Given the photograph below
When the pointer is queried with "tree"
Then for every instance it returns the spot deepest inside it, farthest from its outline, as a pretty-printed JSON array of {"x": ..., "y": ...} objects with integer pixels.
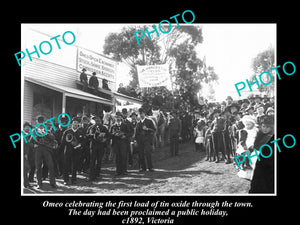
[
  {"x": 264, "y": 61},
  {"x": 178, "y": 46}
]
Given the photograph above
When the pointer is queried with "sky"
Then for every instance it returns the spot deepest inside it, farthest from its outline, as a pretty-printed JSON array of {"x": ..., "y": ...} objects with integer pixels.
[{"x": 229, "y": 48}]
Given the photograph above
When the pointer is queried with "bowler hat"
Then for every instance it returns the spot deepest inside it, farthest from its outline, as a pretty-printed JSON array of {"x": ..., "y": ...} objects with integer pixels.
[
  {"x": 229, "y": 98},
  {"x": 133, "y": 114}
]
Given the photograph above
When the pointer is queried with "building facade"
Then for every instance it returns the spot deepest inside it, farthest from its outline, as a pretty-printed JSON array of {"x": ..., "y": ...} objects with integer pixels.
[{"x": 51, "y": 83}]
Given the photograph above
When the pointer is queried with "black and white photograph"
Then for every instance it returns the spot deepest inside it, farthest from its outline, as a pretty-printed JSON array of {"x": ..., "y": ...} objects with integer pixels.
[{"x": 149, "y": 108}]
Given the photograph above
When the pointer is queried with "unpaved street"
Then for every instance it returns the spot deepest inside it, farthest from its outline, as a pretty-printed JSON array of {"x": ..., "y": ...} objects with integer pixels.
[{"x": 187, "y": 173}]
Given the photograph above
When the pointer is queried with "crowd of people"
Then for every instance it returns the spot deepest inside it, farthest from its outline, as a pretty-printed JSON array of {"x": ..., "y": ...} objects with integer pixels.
[{"x": 222, "y": 130}]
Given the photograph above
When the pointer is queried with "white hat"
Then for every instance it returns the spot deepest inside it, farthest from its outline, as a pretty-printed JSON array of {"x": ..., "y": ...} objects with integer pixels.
[{"x": 248, "y": 118}]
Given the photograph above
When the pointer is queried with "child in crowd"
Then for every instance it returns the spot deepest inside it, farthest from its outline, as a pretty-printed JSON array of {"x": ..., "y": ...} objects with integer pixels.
[
  {"x": 217, "y": 134},
  {"x": 199, "y": 134},
  {"x": 208, "y": 143},
  {"x": 251, "y": 129},
  {"x": 240, "y": 136}
]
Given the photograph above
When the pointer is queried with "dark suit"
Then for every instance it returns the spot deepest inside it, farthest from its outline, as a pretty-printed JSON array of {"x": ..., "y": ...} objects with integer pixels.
[
  {"x": 120, "y": 136},
  {"x": 97, "y": 150},
  {"x": 144, "y": 140},
  {"x": 44, "y": 152},
  {"x": 71, "y": 153},
  {"x": 174, "y": 131},
  {"x": 93, "y": 82}
]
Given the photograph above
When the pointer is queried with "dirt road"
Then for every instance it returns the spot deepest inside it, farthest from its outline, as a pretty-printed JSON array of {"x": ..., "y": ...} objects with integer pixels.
[{"x": 187, "y": 173}]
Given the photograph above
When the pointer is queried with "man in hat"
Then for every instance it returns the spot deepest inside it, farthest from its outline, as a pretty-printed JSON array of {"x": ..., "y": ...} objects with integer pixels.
[
  {"x": 174, "y": 125},
  {"x": 85, "y": 145},
  {"x": 259, "y": 113},
  {"x": 43, "y": 154},
  {"x": 105, "y": 84},
  {"x": 227, "y": 133},
  {"x": 251, "y": 100},
  {"x": 130, "y": 130},
  {"x": 71, "y": 141},
  {"x": 229, "y": 100},
  {"x": 94, "y": 83},
  {"x": 98, "y": 135},
  {"x": 60, "y": 150},
  {"x": 84, "y": 79},
  {"x": 120, "y": 135},
  {"x": 257, "y": 100},
  {"x": 28, "y": 157},
  {"x": 217, "y": 135},
  {"x": 144, "y": 136},
  {"x": 266, "y": 102}
]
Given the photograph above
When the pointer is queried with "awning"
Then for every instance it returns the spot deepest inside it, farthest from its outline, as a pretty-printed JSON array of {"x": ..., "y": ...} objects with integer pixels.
[
  {"x": 127, "y": 98},
  {"x": 70, "y": 92}
]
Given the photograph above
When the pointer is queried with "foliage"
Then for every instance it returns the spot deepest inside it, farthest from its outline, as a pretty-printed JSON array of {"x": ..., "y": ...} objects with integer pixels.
[
  {"x": 264, "y": 61},
  {"x": 176, "y": 48}
]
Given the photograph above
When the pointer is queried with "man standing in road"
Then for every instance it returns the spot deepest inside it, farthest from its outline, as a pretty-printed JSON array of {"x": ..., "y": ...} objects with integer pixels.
[
  {"x": 175, "y": 131},
  {"x": 144, "y": 136}
]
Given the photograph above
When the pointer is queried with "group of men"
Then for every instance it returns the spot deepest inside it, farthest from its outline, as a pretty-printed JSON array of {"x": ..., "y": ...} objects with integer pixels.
[
  {"x": 65, "y": 151},
  {"x": 92, "y": 82},
  {"x": 218, "y": 124}
]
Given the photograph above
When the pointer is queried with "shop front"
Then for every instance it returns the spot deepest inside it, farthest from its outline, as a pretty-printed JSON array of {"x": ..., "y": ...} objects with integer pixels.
[{"x": 48, "y": 100}]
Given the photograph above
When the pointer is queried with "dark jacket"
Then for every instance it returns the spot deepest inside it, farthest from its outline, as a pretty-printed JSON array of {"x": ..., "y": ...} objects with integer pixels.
[
  {"x": 47, "y": 141},
  {"x": 93, "y": 82},
  {"x": 218, "y": 124},
  {"x": 77, "y": 137},
  {"x": 119, "y": 133},
  {"x": 99, "y": 128},
  {"x": 83, "y": 77},
  {"x": 175, "y": 126},
  {"x": 141, "y": 134},
  {"x": 263, "y": 175}
]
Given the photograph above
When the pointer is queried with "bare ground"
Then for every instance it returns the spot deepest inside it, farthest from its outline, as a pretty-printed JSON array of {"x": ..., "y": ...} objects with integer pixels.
[{"x": 187, "y": 173}]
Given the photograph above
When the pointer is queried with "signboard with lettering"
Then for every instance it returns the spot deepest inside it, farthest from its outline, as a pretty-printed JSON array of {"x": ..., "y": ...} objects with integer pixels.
[
  {"x": 153, "y": 75},
  {"x": 105, "y": 68}
]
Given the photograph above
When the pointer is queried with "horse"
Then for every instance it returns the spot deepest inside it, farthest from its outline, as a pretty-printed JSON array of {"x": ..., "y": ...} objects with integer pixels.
[{"x": 108, "y": 121}]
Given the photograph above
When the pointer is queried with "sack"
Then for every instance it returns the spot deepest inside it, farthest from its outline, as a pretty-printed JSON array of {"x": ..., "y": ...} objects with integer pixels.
[{"x": 199, "y": 140}]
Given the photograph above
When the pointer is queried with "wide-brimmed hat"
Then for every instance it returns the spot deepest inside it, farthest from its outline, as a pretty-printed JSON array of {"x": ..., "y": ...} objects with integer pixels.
[
  {"x": 229, "y": 98},
  {"x": 249, "y": 118},
  {"x": 268, "y": 120}
]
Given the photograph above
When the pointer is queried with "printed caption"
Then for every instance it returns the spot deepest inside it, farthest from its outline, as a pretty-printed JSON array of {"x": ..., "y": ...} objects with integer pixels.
[{"x": 147, "y": 212}]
